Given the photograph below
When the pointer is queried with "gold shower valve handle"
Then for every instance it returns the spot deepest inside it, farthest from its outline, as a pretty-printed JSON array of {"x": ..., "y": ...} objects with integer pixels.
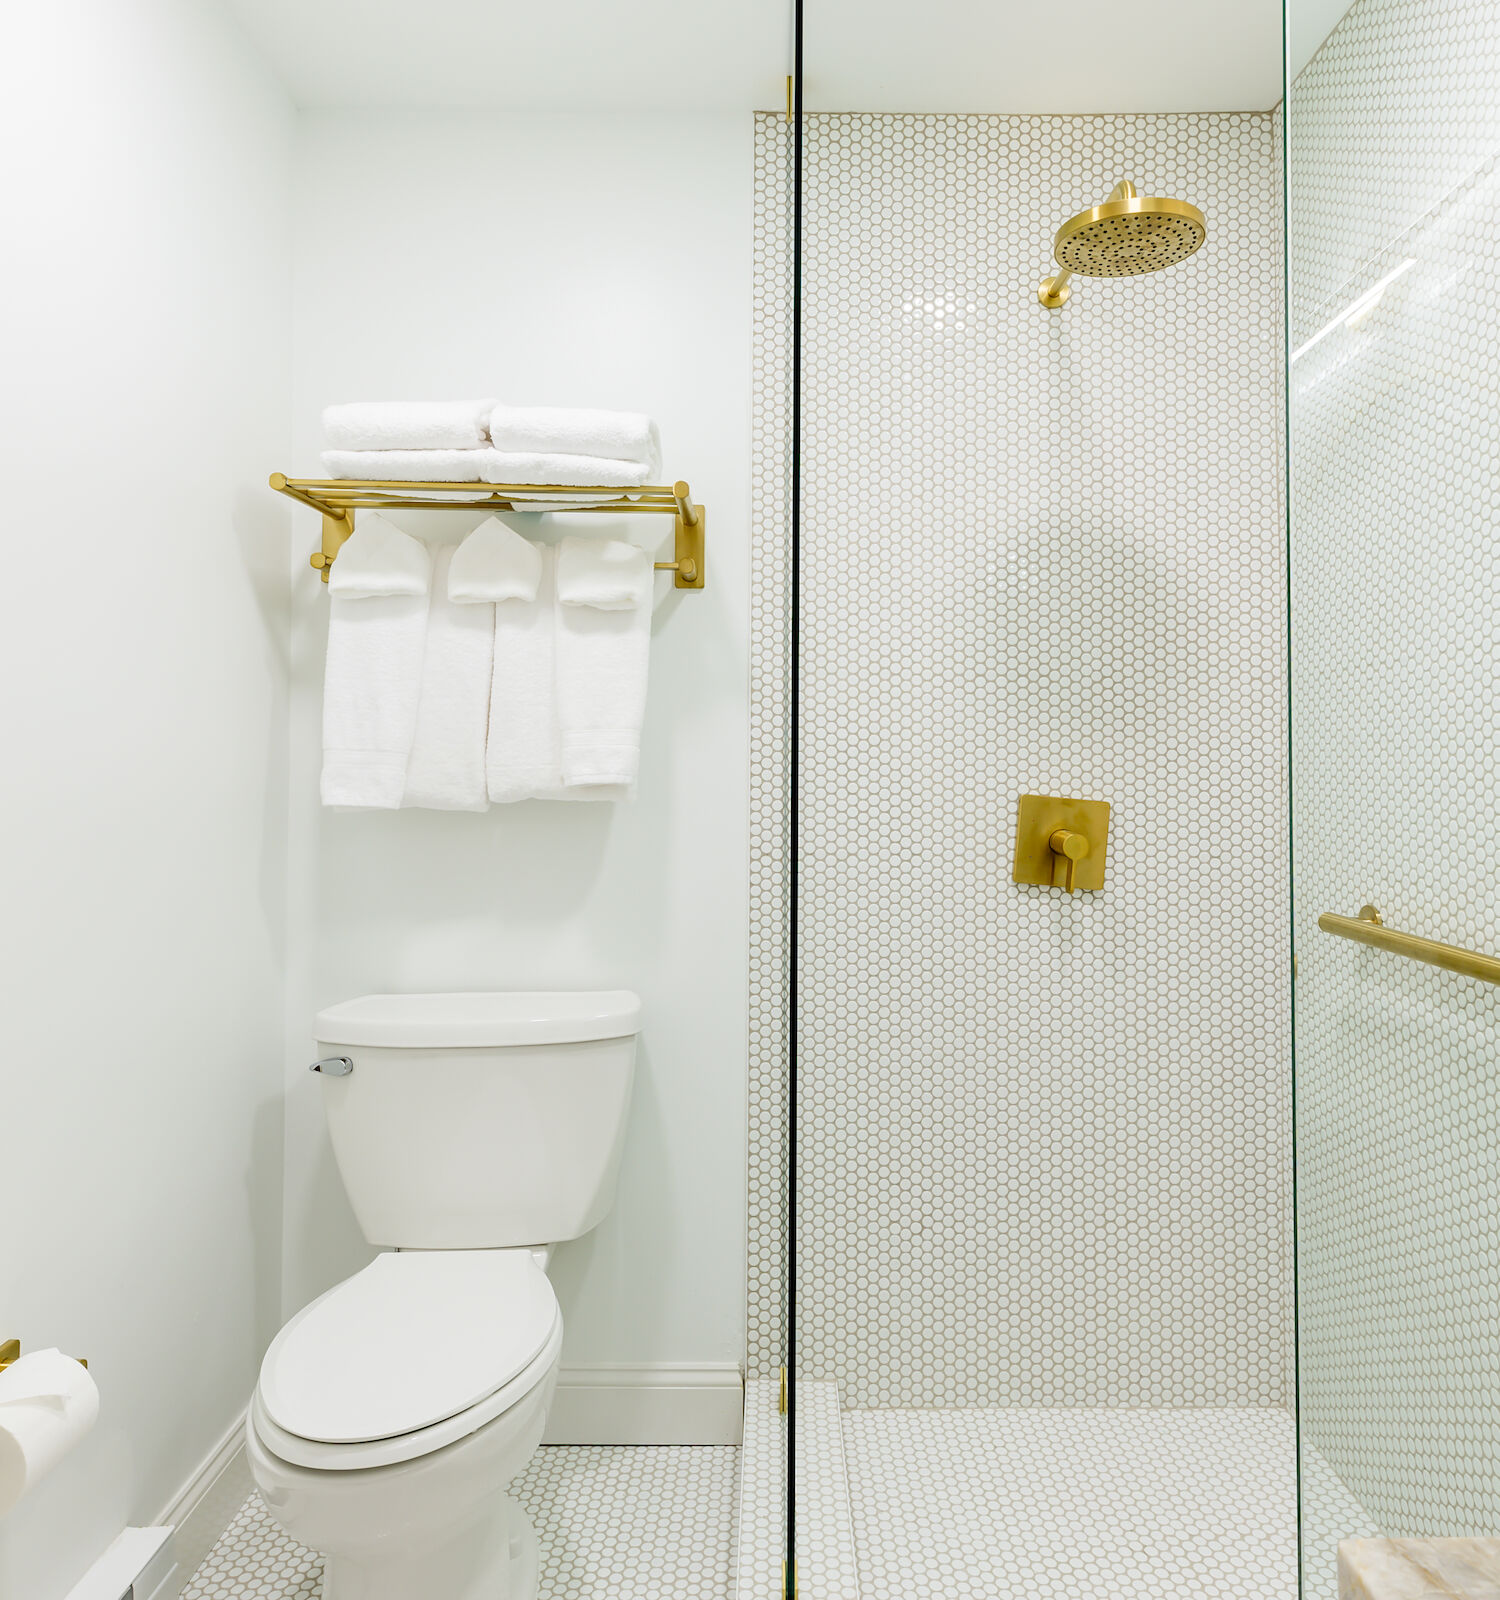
[
  {"x": 1072, "y": 848},
  {"x": 1055, "y": 830}
]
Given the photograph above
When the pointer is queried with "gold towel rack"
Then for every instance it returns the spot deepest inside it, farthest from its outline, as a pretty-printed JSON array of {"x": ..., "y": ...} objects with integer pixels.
[
  {"x": 337, "y": 499},
  {"x": 1367, "y": 928}
]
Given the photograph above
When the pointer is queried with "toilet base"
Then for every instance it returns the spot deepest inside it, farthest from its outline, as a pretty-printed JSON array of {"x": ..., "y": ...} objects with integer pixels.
[
  {"x": 495, "y": 1558},
  {"x": 434, "y": 1527}
]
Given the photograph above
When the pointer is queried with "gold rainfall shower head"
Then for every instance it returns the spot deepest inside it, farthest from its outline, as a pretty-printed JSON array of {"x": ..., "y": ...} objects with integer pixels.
[{"x": 1128, "y": 235}]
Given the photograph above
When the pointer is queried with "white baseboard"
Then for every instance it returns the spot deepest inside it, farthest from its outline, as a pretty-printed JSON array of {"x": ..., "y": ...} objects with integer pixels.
[
  {"x": 138, "y": 1563},
  {"x": 205, "y": 1505},
  {"x": 651, "y": 1403}
]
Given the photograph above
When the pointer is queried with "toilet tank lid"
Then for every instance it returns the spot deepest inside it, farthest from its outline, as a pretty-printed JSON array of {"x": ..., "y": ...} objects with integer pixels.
[{"x": 458, "y": 1021}]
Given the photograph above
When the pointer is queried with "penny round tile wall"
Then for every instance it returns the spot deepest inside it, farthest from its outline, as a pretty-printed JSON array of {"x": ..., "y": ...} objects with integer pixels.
[
  {"x": 1044, "y": 1141},
  {"x": 1395, "y": 436},
  {"x": 770, "y": 768}
]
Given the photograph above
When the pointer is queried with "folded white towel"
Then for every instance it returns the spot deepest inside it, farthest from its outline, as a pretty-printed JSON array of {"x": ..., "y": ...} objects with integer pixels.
[
  {"x": 494, "y": 563},
  {"x": 445, "y": 771},
  {"x": 602, "y": 660},
  {"x": 607, "y": 574},
  {"x": 509, "y": 466},
  {"x": 405, "y": 466},
  {"x": 523, "y": 755},
  {"x": 370, "y": 689},
  {"x": 408, "y": 425},
  {"x": 377, "y": 559},
  {"x": 535, "y": 503},
  {"x": 556, "y": 430}
]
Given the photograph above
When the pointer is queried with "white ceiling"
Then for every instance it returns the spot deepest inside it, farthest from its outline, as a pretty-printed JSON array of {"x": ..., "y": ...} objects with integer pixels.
[{"x": 886, "y": 55}]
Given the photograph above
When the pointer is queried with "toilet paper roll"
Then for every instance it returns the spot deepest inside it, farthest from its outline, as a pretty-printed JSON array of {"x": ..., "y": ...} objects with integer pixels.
[{"x": 47, "y": 1403}]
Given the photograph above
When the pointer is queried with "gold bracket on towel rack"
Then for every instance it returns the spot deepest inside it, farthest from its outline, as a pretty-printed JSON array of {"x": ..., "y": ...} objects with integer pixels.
[
  {"x": 688, "y": 551},
  {"x": 335, "y": 531},
  {"x": 10, "y": 1353},
  {"x": 337, "y": 499}
]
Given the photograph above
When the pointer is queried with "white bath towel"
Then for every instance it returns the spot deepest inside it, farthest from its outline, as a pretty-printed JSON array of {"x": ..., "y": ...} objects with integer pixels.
[
  {"x": 557, "y": 430},
  {"x": 602, "y": 661},
  {"x": 508, "y": 466},
  {"x": 378, "y": 560},
  {"x": 523, "y": 754},
  {"x": 370, "y": 688},
  {"x": 407, "y": 425},
  {"x": 607, "y": 574},
  {"x": 536, "y": 503},
  {"x": 445, "y": 771},
  {"x": 521, "y": 758},
  {"x": 494, "y": 563},
  {"x": 405, "y": 466}
]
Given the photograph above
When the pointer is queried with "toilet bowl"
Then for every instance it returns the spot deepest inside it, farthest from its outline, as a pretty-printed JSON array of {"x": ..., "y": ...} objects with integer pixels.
[{"x": 392, "y": 1413}]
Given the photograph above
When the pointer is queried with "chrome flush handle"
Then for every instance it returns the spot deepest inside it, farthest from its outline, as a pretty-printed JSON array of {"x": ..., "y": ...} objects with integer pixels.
[{"x": 333, "y": 1066}]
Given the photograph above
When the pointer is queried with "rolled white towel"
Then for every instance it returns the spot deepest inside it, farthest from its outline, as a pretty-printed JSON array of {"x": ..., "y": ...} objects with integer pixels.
[
  {"x": 559, "y": 430},
  {"x": 494, "y": 563},
  {"x": 445, "y": 770},
  {"x": 588, "y": 472},
  {"x": 607, "y": 574},
  {"x": 407, "y": 425},
  {"x": 377, "y": 560},
  {"x": 405, "y": 466}
]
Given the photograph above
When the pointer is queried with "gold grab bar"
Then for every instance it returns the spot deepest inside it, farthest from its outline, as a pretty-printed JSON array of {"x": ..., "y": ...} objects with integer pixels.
[{"x": 1367, "y": 928}]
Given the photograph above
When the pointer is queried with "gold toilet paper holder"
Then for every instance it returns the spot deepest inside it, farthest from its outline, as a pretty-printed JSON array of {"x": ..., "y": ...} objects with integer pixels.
[{"x": 10, "y": 1353}]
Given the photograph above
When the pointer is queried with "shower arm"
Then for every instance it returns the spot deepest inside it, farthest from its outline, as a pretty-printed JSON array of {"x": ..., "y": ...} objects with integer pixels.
[{"x": 1054, "y": 291}]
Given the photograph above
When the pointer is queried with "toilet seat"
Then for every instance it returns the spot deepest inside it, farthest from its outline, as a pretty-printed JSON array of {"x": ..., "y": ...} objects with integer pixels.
[
  {"x": 417, "y": 1350},
  {"x": 334, "y": 1458}
]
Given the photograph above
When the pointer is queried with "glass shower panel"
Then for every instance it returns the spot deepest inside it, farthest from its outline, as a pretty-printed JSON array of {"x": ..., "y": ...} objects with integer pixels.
[
  {"x": 764, "y": 1530},
  {"x": 1393, "y": 204}
]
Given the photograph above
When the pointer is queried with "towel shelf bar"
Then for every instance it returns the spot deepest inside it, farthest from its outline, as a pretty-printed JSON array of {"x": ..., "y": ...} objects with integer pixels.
[
  {"x": 337, "y": 499},
  {"x": 1367, "y": 928}
]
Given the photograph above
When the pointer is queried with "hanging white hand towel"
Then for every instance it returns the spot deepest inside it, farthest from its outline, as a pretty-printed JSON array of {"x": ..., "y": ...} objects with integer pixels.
[
  {"x": 602, "y": 662},
  {"x": 494, "y": 563},
  {"x": 377, "y": 560},
  {"x": 523, "y": 756},
  {"x": 605, "y": 573},
  {"x": 560, "y": 430},
  {"x": 445, "y": 771},
  {"x": 370, "y": 687},
  {"x": 407, "y": 425}
]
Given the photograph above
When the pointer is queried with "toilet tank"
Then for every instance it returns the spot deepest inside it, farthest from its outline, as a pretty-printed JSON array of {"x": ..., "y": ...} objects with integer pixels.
[{"x": 478, "y": 1121}]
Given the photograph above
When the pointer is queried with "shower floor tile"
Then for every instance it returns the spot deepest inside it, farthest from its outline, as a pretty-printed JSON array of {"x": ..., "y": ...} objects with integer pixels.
[
  {"x": 1047, "y": 1503},
  {"x": 827, "y": 1561},
  {"x": 614, "y": 1522},
  {"x": 761, "y": 1541}
]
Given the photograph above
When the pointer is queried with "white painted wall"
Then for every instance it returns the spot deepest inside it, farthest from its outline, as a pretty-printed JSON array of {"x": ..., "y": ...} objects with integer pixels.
[
  {"x": 569, "y": 259},
  {"x": 144, "y": 328}
]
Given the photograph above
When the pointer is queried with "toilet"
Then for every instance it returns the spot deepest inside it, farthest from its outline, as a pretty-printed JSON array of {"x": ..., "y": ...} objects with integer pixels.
[{"x": 472, "y": 1132}]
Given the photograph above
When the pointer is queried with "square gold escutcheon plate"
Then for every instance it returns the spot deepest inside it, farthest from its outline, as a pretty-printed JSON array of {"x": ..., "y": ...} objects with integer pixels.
[{"x": 1038, "y": 817}]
